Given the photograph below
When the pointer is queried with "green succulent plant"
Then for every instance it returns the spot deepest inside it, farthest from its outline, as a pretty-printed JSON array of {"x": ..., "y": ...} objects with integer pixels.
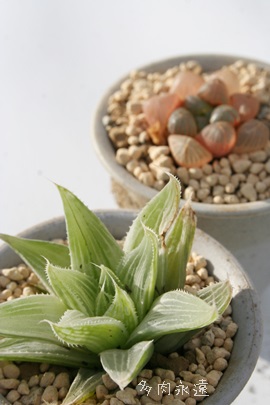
[{"x": 106, "y": 307}]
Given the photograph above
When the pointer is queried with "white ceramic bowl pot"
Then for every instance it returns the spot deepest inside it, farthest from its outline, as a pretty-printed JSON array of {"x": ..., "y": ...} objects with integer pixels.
[
  {"x": 221, "y": 264},
  {"x": 243, "y": 228}
]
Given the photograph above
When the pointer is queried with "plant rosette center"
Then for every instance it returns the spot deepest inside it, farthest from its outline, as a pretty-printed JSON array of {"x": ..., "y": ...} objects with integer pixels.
[
  {"x": 107, "y": 310},
  {"x": 181, "y": 374},
  {"x": 211, "y": 130}
]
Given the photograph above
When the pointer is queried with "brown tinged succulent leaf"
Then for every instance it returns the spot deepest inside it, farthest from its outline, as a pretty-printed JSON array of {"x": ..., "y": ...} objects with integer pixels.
[
  {"x": 157, "y": 110},
  {"x": 219, "y": 138},
  {"x": 251, "y": 136},
  {"x": 188, "y": 152},
  {"x": 229, "y": 78},
  {"x": 214, "y": 92},
  {"x": 186, "y": 84},
  {"x": 246, "y": 104}
]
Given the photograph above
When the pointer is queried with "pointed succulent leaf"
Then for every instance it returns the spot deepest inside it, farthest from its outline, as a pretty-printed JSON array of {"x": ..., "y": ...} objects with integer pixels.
[
  {"x": 33, "y": 252},
  {"x": 95, "y": 333},
  {"x": 162, "y": 269},
  {"x": 172, "y": 342},
  {"x": 218, "y": 294},
  {"x": 124, "y": 365},
  {"x": 83, "y": 386},
  {"x": 113, "y": 301},
  {"x": 22, "y": 349},
  {"x": 89, "y": 240},
  {"x": 138, "y": 272},
  {"x": 107, "y": 281},
  {"x": 158, "y": 214},
  {"x": 123, "y": 309},
  {"x": 103, "y": 301},
  {"x": 75, "y": 289},
  {"x": 174, "y": 311},
  {"x": 24, "y": 316},
  {"x": 178, "y": 242}
]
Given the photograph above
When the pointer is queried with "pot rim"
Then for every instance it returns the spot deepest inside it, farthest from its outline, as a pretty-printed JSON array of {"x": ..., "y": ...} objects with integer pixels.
[
  {"x": 106, "y": 153},
  {"x": 248, "y": 340}
]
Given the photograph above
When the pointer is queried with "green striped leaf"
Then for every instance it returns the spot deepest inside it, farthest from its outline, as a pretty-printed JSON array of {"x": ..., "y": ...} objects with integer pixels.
[
  {"x": 83, "y": 386},
  {"x": 89, "y": 240},
  {"x": 178, "y": 242},
  {"x": 174, "y": 341},
  {"x": 123, "y": 309},
  {"x": 96, "y": 333},
  {"x": 20, "y": 349},
  {"x": 174, "y": 311},
  {"x": 34, "y": 252},
  {"x": 75, "y": 289},
  {"x": 124, "y": 365},
  {"x": 113, "y": 301},
  {"x": 157, "y": 215},
  {"x": 138, "y": 272},
  {"x": 23, "y": 317},
  {"x": 105, "y": 296},
  {"x": 108, "y": 279},
  {"x": 218, "y": 294}
]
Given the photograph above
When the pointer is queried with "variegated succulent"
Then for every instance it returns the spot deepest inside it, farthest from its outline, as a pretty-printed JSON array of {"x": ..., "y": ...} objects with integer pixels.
[{"x": 106, "y": 307}]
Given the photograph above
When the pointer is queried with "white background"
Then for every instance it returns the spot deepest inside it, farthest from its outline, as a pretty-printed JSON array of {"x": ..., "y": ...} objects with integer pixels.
[
  {"x": 57, "y": 57},
  {"x": 56, "y": 60}
]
